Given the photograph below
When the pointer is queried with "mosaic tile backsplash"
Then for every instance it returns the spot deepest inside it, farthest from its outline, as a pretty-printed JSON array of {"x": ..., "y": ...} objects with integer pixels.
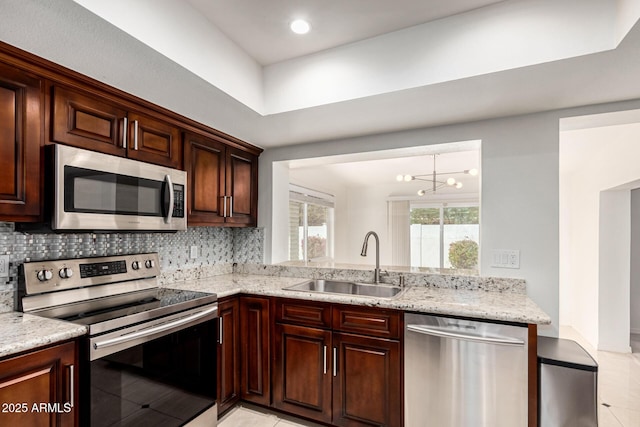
[{"x": 218, "y": 249}]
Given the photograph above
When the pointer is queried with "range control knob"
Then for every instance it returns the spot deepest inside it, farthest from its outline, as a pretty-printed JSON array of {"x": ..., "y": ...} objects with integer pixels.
[
  {"x": 44, "y": 275},
  {"x": 65, "y": 273},
  {"x": 135, "y": 265},
  {"x": 149, "y": 263}
]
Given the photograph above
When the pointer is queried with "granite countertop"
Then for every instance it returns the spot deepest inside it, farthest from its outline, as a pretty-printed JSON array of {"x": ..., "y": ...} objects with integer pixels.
[
  {"x": 502, "y": 306},
  {"x": 22, "y": 332}
]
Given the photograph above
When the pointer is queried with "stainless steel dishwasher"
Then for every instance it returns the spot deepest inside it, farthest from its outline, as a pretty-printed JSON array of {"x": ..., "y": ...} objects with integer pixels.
[{"x": 463, "y": 373}]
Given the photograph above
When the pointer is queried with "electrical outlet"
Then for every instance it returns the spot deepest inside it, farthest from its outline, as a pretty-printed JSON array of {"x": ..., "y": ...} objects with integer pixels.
[
  {"x": 506, "y": 258},
  {"x": 4, "y": 265},
  {"x": 193, "y": 253}
]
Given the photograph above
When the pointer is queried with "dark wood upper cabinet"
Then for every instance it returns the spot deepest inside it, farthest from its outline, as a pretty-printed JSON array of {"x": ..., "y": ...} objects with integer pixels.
[
  {"x": 154, "y": 141},
  {"x": 39, "y": 378},
  {"x": 44, "y": 103},
  {"x": 204, "y": 160},
  {"x": 241, "y": 187},
  {"x": 94, "y": 123},
  {"x": 21, "y": 118},
  {"x": 87, "y": 122},
  {"x": 223, "y": 183}
]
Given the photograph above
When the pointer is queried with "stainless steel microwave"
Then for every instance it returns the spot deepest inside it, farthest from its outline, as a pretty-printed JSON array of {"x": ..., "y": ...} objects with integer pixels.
[{"x": 99, "y": 192}]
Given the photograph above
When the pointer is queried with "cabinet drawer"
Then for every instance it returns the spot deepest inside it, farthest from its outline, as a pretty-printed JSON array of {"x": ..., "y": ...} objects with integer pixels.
[
  {"x": 303, "y": 313},
  {"x": 367, "y": 321}
]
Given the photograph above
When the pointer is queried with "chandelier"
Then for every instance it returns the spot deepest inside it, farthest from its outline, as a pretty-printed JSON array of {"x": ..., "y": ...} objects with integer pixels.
[{"x": 435, "y": 179}]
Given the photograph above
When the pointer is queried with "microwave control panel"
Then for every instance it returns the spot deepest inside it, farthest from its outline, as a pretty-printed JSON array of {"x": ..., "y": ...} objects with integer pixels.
[{"x": 178, "y": 201}]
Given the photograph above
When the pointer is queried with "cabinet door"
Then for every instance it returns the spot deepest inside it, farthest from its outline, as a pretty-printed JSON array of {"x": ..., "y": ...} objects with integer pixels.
[
  {"x": 204, "y": 161},
  {"x": 254, "y": 331},
  {"x": 40, "y": 386},
  {"x": 302, "y": 371},
  {"x": 367, "y": 387},
  {"x": 154, "y": 141},
  {"x": 242, "y": 187},
  {"x": 20, "y": 145},
  {"x": 228, "y": 354},
  {"x": 87, "y": 122}
]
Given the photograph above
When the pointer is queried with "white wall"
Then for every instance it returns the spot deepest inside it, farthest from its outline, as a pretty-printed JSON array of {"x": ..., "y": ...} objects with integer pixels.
[
  {"x": 614, "y": 270},
  {"x": 596, "y": 245},
  {"x": 197, "y": 44},
  {"x": 635, "y": 262}
]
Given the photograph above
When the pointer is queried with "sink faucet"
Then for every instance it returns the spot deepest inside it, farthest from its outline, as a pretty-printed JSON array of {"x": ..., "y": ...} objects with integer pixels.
[{"x": 376, "y": 272}]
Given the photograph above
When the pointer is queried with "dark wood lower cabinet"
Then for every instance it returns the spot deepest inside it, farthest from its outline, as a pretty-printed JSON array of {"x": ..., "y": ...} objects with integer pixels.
[
  {"x": 40, "y": 388},
  {"x": 324, "y": 373},
  {"x": 228, "y": 383},
  {"x": 255, "y": 374},
  {"x": 367, "y": 387},
  {"x": 301, "y": 373}
]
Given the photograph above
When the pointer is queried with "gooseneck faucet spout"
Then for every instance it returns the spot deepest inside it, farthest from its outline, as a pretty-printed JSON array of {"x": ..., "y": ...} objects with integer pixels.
[{"x": 376, "y": 272}]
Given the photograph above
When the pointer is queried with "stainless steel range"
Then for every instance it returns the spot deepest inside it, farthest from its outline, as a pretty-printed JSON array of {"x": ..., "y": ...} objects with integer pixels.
[{"x": 150, "y": 355}]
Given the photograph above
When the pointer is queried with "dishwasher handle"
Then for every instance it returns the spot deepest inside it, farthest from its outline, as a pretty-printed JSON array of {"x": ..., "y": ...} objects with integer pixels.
[{"x": 448, "y": 333}]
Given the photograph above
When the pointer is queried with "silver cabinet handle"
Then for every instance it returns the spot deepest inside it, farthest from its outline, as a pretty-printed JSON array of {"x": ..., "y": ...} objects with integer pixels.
[
  {"x": 325, "y": 358},
  {"x": 125, "y": 132},
  {"x": 230, "y": 206},
  {"x": 335, "y": 361},
  {"x": 150, "y": 331},
  {"x": 71, "y": 385},
  {"x": 135, "y": 135},
  {"x": 167, "y": 219},
  {"x": 224, "y": 206},
  {"x": 439, "y": 332},
  {"x": 220, "y": 330}
]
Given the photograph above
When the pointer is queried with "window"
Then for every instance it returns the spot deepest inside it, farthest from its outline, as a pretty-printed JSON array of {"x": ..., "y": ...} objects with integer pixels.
[
  {"x": 310, "y": 225},
  {"x": 445, "y": 236}
]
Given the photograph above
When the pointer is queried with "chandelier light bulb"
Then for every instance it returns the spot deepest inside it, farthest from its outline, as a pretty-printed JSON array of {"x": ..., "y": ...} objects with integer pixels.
[
  {"x": 473, "y": 172},
  {"x": 451, "y": 181},
  {"x": 400, "y": 178},
  {"x": 408, "y": 178},
  {"x": 421, "y": 192},
  {"x": 458, "y": 185}
]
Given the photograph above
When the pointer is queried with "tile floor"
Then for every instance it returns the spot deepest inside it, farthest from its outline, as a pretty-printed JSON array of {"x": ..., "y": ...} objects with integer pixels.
[
  {"x": 249, "y": 416},
  {"x": 618, "y": 388}
]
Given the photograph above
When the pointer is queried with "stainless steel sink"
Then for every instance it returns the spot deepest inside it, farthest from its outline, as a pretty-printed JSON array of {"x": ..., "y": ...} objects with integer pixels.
[{"x": 347, "y": 288}]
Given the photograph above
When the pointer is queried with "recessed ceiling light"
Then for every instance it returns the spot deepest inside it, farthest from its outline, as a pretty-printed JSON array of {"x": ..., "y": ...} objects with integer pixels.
[{"x": 300, "y": 26}]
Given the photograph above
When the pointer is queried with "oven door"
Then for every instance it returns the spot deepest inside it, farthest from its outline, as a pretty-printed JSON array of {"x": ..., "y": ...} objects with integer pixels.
[
  {"x": 167, "y": 380},
  {"x": 95, "y": 191}
]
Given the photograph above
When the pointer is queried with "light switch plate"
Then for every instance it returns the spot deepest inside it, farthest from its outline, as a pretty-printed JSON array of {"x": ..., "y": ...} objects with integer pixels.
[
  {"x": 4, "y": 265},
  {"x": 193, "y": 253},
  {"x": 506, "y": 258}
]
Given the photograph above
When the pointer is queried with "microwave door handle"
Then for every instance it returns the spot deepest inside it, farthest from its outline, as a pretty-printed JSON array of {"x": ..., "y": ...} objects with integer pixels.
[{"x": 168, "y": 209}]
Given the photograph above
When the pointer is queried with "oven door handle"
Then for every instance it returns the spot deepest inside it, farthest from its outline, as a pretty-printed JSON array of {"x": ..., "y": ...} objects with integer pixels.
[{"x": 153, "y": 330}]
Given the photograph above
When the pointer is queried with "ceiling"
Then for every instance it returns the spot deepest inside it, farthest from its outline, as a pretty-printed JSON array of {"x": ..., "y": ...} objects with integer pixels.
[
  {"x": 376, "y": 66},
  {"x": 335, "y": 174},
  {"x": 261, "y": 29}
]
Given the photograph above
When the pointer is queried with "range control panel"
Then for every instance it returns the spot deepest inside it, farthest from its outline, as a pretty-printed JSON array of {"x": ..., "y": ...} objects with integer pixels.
[{"x": 56, "y": 275}]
